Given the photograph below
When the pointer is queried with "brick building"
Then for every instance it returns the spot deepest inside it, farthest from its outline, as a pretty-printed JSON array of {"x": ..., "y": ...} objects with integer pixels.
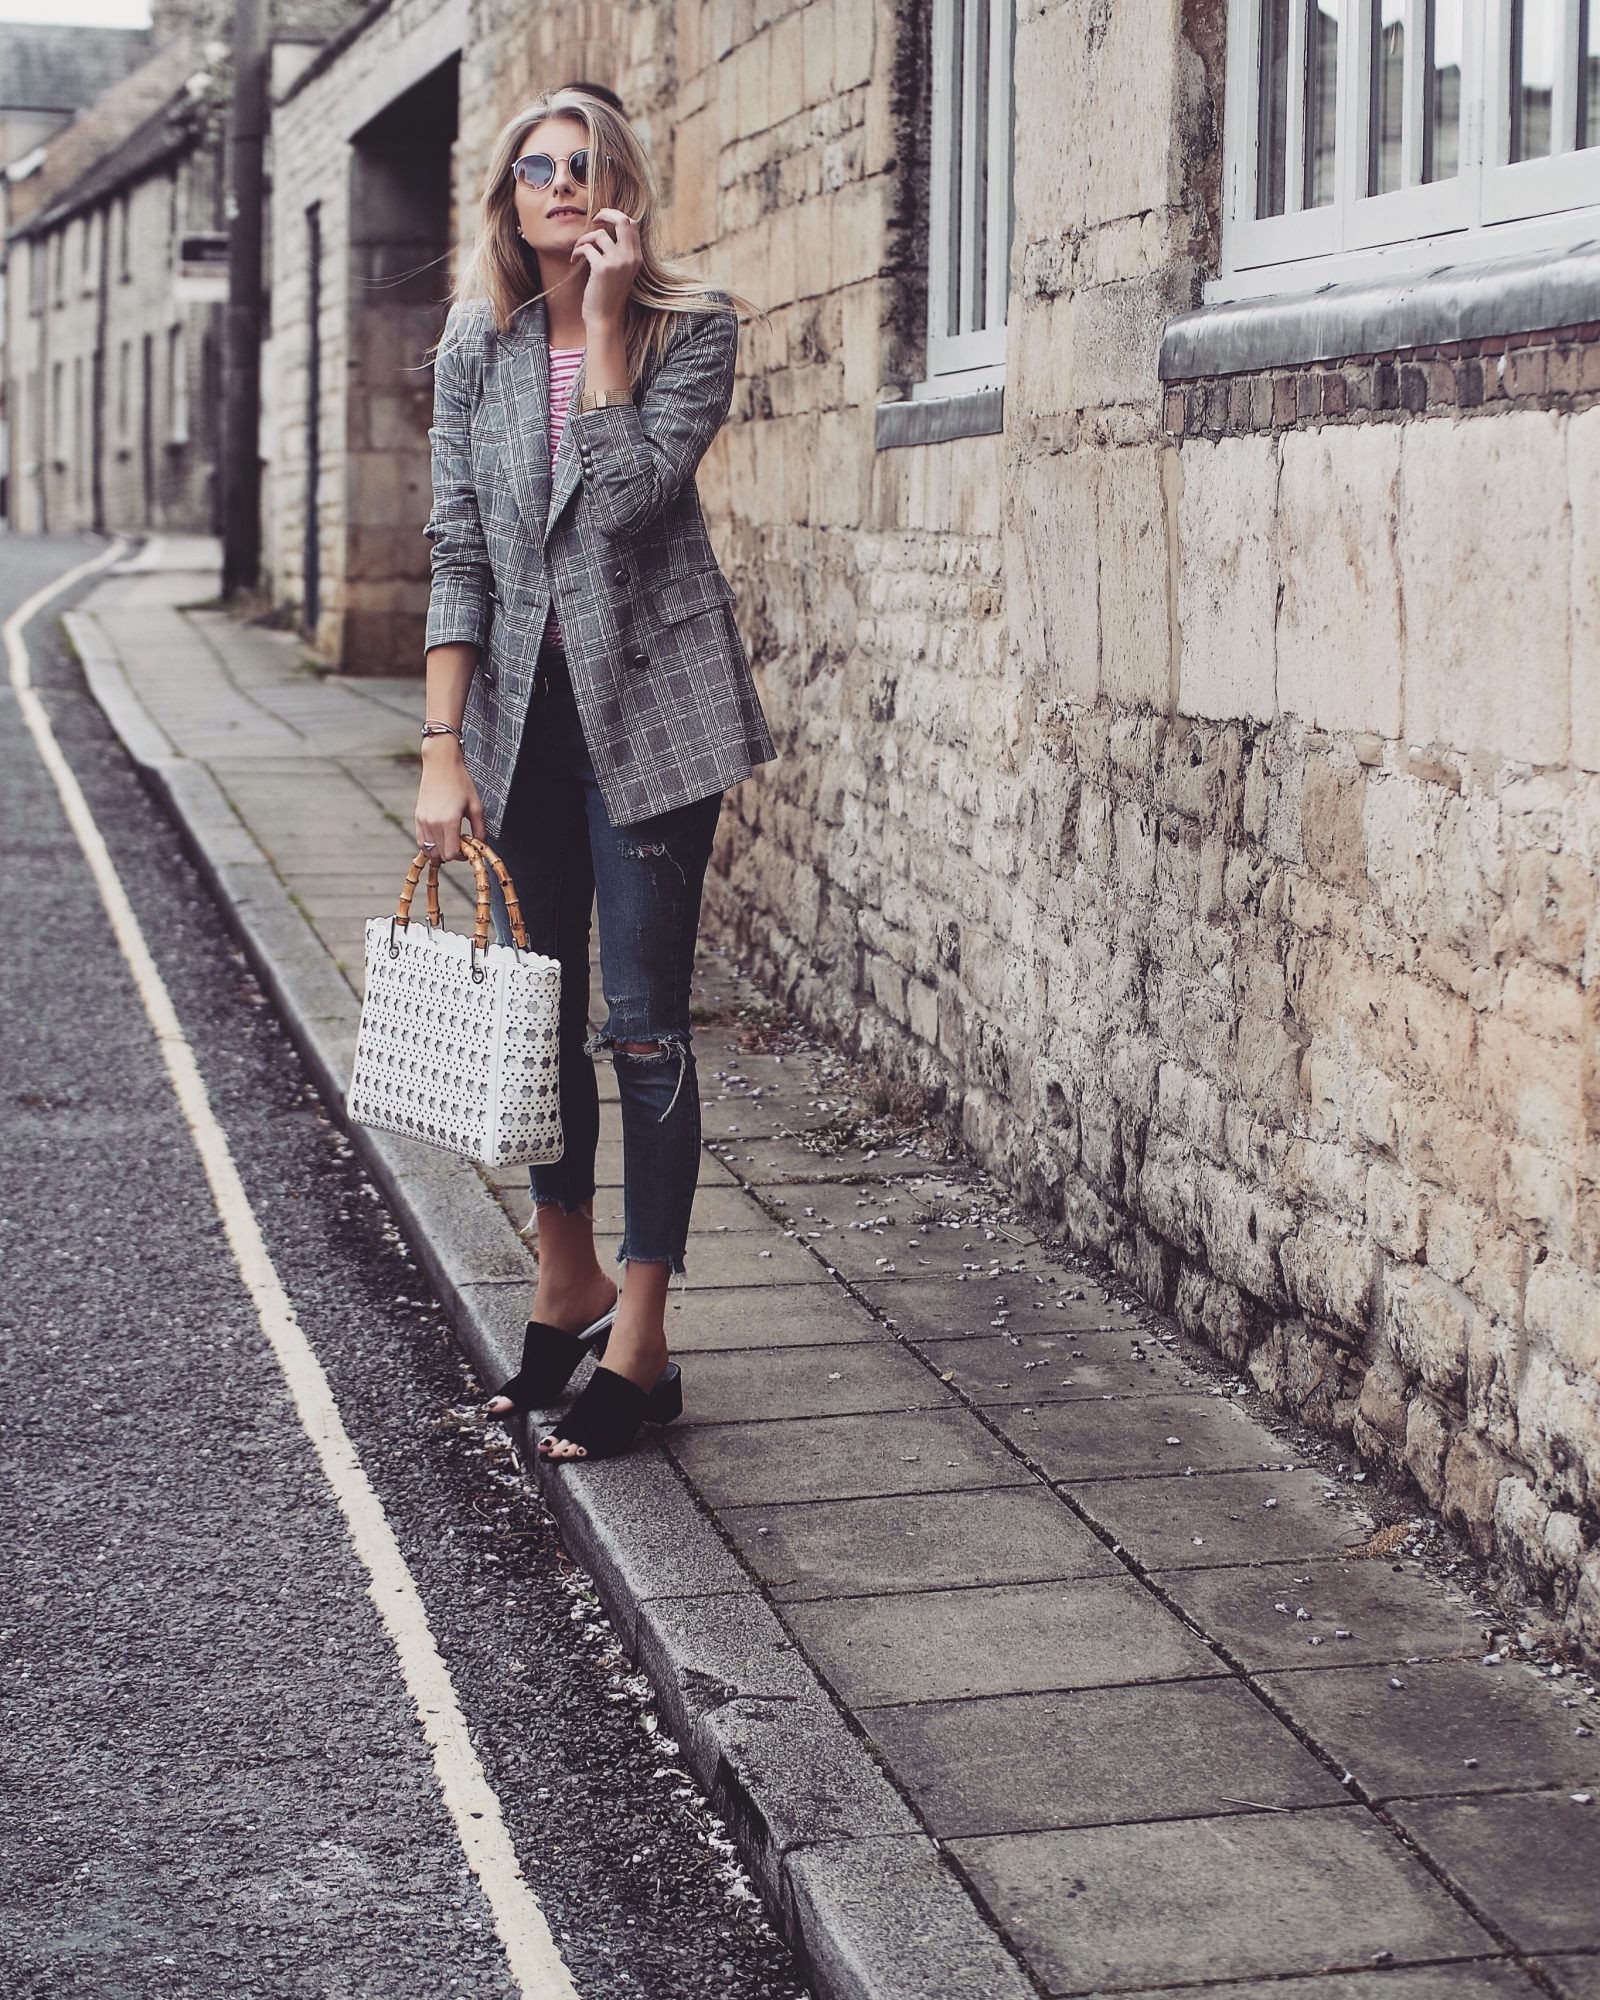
[
  {"x": 1165, "y": 507},
  {"x": 116, "y": 250},
  {"x": 47, "y": 75}
]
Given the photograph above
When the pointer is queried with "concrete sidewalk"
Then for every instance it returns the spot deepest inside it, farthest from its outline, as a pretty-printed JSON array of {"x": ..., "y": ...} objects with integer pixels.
[{"x": 1018, "y": 1652}]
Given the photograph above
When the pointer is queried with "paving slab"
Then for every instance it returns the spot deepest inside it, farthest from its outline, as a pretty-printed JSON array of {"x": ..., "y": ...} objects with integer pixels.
[
  {"x": 1529, "y": 1860},
  {"x": 844, "y": 1458},
  {"x": 927, "y": 1308},
  {"x": 1051, "y": 1368},
  {"x": 1303, "y": 1614},
  {"x": 786, "y": 1383},
  {"x": 1141, "y": 1437},
  {"x": 1576, "y": 1977},
  {"x": 864, "y": 1232},
  {"x": 914, "y": 1542},
  {"x": 1249, "y": 1896},
  {"x": 722, "y": 1208},
  {"x": 1011, "y": 1639},
  {"x": 770, "y": 1161},
  {"x": 774, "y": 1260},
  {"x": 1098, "y": 1757},
  {"x": 1218, "y": 1517},
  {"x": 1450, "y": 1726},
  {"x": 1467, "y": 1979},
  {"x": 729, "y": 1316}
]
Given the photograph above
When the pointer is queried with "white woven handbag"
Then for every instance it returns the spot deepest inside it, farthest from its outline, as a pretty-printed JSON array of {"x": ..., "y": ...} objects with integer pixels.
[{"x": 457, "y": 1040}]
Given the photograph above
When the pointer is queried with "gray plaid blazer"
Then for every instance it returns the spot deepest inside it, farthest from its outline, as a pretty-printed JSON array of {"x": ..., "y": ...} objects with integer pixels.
[{"x": 665, "y": 694}]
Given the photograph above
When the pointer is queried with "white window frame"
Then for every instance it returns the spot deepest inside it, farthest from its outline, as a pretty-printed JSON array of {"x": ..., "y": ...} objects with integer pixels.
[
  {"x": 962, "y": 358},
  {"x": 1492, "y": 208}
]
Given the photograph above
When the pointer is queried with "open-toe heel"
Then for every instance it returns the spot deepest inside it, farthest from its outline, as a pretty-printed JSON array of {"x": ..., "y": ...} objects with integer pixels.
[
  {"x": 550, "y": 1356},
  {"x": 608, "y": 1415}
]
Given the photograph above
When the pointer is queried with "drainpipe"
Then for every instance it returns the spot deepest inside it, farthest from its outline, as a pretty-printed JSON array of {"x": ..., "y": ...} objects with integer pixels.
[
  {"x": 241, "y": 520},
  {"x": 100, "y": 375}
]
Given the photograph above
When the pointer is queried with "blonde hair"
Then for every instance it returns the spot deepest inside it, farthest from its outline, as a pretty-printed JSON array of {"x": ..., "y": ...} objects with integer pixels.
[{"x": 502, "y": 269}]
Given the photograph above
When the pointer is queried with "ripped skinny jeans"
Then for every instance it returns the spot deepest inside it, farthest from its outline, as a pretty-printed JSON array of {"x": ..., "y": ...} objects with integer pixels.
[{"x": 567, "y": 860}]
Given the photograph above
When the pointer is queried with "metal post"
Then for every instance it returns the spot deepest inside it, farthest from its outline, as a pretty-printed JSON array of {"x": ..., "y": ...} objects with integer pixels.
[{"x": 241, "y": 528}]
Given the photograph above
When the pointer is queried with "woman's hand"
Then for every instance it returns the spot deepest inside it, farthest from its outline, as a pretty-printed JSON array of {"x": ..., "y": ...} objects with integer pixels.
[
  {"x": 614, "y": 258},
  {"x": 445, "y": 797}
]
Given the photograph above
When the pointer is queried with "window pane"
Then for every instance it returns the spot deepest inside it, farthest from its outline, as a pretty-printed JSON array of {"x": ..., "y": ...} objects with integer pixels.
[
  {"x": 1441, "y": 130},
  {"x": 1272, "y": 118},
  {"x": 952, "y": 308},
  {"x": 1322, "y": 70},
  {"x": 1533, "y": 76},
  {"x": 1589, "y": 74},
  {"x": 1388, "y": 95},
  {"x": 976, "y": 279}
]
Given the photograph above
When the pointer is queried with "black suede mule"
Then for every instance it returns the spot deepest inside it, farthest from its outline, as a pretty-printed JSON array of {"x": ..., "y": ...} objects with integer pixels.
[
  {"x": 608, "y": 1414},
  {"x": 550, "y": 1354}
]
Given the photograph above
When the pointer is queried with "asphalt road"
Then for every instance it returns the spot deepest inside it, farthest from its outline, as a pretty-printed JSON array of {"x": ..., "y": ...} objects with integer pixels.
[{"x": 215, "y": 1781}]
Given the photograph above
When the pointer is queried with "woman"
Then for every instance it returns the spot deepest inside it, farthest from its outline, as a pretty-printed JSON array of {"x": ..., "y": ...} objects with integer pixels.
[{"x": 588, "y": 695}]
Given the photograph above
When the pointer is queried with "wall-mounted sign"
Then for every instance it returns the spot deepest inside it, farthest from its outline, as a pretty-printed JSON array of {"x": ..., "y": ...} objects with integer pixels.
[{"x": 200, "y": 273}]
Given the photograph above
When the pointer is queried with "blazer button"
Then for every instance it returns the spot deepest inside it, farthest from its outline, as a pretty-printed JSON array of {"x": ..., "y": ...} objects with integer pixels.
[
  {"x": 638, "y": 659},
  {"x": 619, "y": 576}
]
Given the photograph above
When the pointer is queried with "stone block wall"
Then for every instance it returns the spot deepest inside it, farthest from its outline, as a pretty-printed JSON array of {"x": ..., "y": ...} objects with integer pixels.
[
  {"x": 157, "y": 451},
  {"x": 1199, "y": 793},
  {"x": 366, "y": 364}
]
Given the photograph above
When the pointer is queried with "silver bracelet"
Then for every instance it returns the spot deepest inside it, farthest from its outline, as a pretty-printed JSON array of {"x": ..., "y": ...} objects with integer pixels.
[{"x": 441, "y": 729}]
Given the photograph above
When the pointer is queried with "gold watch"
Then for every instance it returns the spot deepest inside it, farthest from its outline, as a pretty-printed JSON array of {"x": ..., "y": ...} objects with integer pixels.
[{"x": 601, "y": 399}]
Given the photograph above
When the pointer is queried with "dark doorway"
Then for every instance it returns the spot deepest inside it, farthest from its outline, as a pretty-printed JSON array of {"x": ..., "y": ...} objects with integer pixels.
[{"x": 400, "y": 237}]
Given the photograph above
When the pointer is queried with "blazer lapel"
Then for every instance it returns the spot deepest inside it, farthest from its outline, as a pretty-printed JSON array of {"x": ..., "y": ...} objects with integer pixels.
[
  {"x": 567, "y": 467},
  {"x": 540, "y": 497},
  {"x": 526, "y": 390}
]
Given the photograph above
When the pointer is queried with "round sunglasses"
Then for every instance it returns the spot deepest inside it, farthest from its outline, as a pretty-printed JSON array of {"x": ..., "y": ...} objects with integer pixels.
[{"x": 538, "y": 170}]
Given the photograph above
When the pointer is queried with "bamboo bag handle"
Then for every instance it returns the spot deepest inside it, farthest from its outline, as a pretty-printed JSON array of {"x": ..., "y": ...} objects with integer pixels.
[{"x": 482, "y": 858}]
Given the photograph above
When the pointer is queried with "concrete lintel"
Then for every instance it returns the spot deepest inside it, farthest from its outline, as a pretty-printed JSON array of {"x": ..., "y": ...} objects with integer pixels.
[{"x": 937, "y": 419}]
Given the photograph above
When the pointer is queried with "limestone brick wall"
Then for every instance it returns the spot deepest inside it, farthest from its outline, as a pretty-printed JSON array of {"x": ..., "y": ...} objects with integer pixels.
[
  {"x": 86, "y": 379},
  {"x": 1211, "y": 822}
]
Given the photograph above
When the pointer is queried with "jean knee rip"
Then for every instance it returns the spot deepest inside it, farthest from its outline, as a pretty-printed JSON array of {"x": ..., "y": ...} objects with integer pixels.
[{"x": 663, "y": 1049}]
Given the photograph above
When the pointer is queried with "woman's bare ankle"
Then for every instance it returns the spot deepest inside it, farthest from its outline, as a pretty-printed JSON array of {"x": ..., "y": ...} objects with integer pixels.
[{"x": 572, "y": 1302}]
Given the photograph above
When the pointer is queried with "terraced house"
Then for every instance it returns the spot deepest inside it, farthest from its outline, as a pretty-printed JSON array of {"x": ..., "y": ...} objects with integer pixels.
[{"x": 1164, "y": 496}]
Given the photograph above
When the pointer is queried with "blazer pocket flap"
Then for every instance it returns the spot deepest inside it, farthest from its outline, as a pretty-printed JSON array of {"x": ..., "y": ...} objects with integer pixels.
[{"x": 672, "y": 598}]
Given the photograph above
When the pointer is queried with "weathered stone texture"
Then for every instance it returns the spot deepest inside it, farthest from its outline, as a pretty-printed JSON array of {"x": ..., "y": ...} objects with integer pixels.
[{"x": 1253, "y": 775}]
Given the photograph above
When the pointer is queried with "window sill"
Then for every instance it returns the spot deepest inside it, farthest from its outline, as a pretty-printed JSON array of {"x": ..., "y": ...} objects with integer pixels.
[
  {"x": 938, "y": 419},
  {"x": 1526, "y": 294}
]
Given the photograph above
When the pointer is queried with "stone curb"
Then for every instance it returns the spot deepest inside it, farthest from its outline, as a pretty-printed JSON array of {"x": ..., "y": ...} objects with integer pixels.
[{"x": 855, "y": 1884}]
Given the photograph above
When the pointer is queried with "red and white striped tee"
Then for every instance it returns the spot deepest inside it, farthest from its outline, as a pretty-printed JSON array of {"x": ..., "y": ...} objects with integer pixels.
[{"x": 564, "y": 365}]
